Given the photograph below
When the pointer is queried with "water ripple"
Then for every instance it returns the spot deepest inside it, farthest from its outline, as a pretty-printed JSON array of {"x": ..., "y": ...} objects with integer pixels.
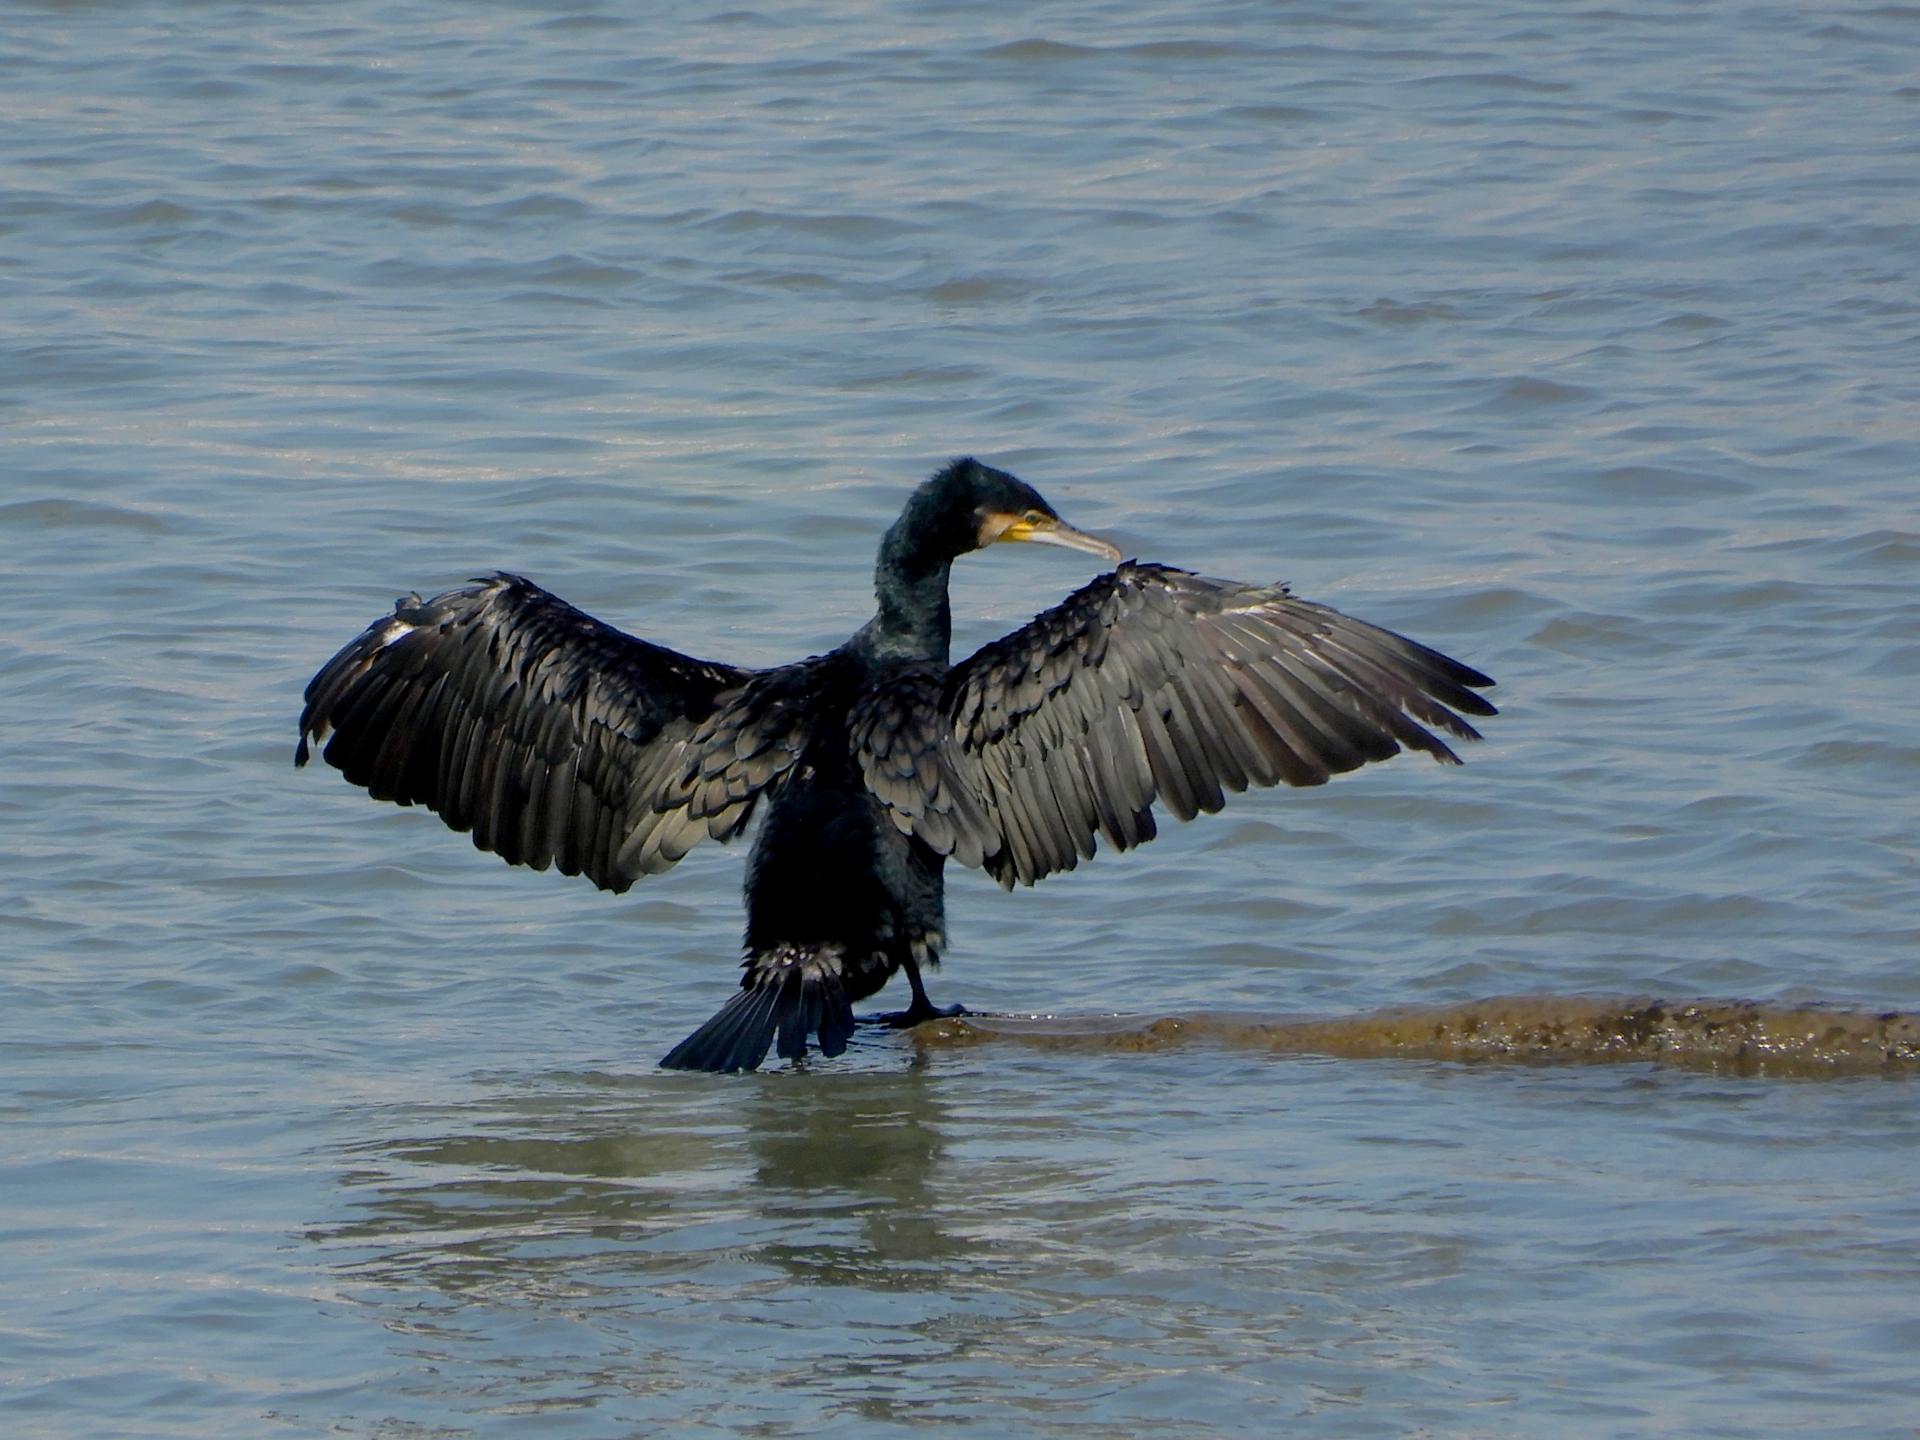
[{"x": 1575, "y": 341}]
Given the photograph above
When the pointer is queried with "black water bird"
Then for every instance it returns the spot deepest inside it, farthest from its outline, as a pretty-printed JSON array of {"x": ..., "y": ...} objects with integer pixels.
[{"x": 558, "y": 740}]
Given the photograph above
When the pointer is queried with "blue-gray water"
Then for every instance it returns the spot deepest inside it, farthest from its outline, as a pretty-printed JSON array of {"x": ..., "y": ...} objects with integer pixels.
[{"x": 1578, "y": 341}]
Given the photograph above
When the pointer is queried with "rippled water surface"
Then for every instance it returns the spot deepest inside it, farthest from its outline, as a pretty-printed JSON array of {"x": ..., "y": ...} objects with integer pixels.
[{"x": 1580, "y": 342}]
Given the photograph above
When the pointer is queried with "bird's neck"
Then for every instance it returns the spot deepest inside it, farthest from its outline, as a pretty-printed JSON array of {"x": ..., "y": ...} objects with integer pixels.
[{"x": 910, "y": 582}]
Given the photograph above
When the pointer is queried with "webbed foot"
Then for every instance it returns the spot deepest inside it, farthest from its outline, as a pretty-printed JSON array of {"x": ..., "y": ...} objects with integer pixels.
[{"x": 915, "y": 1014}]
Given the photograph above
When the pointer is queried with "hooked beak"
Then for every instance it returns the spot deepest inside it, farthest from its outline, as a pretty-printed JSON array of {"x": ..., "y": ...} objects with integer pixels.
[{"x": 1058, "y": 532}]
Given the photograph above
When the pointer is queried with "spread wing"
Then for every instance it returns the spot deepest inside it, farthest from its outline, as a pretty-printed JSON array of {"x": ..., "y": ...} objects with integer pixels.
[
  {"x": 554, "y": 738},
  {"x": 1153, "y": 685}
]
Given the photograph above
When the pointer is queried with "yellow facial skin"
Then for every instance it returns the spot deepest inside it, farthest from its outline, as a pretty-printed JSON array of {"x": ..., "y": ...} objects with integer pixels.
[{"x": 1042, "y": 529}]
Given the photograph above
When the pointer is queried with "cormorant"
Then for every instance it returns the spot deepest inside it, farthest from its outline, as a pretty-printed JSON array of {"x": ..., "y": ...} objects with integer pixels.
[{"x": 558, "y": 740}]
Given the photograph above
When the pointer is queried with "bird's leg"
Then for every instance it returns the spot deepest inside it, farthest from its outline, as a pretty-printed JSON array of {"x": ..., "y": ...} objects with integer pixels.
[{"x": 921, "y": 1008}]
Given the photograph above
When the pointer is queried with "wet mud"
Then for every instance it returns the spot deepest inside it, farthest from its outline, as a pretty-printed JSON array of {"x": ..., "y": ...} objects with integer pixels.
[{"x": 1736, "y": 1036}]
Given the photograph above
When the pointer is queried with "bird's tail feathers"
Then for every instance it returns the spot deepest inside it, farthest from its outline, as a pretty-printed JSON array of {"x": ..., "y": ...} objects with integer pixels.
[{"x": 787, "y": 994}]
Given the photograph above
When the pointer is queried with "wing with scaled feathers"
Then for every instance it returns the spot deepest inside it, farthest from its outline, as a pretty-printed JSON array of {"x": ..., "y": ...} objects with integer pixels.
[
  {"x": 1153, "y": 685},
  {"x": 554, "y": 738}
]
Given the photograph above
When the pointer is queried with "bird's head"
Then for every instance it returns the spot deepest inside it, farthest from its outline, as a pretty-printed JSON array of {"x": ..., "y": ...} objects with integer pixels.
[{"x": 968, "y": 506}]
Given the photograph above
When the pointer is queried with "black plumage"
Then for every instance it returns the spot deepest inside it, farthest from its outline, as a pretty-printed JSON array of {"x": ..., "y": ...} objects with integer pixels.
[{"x": 558, "y": 740}]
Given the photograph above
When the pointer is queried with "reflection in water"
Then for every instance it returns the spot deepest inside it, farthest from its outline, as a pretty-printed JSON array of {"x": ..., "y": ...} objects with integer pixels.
[
  {"x": 632, "y": 1161},
  {"x": 622, "y": 1234},
  {"x": 1734, "y": 1035},
  {"x": 860, "y": 1151}
]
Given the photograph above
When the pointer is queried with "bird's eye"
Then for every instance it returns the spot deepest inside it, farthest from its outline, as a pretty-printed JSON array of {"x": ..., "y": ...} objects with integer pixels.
[{"x": 1033, "y": 517}]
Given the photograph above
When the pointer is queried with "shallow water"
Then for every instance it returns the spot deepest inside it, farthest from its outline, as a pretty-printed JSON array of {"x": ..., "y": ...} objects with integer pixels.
[{"x": 1580, "y": 343}]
